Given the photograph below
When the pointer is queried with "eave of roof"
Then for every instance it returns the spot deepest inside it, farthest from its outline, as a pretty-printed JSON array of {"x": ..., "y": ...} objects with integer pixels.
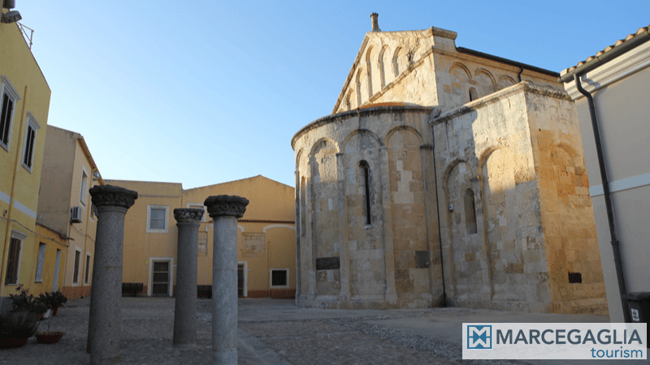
[{"x": 621, "y": 46}]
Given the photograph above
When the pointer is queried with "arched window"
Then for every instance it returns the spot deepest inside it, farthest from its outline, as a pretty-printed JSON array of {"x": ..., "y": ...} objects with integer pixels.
[
  {"x": 365, "y": 189},
  {"x": 473, "y": 94},
  {"x": 396, "y": 62},
  {"x": 470, "y": 211}
]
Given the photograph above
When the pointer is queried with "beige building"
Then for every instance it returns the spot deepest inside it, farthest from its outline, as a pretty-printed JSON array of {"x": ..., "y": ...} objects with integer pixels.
[
  {"x": 445, "y": 176},
  {"x": 266, "y": 240},
  {"x": 618, "y": 79},
  {"x": 65, "y": 208}
]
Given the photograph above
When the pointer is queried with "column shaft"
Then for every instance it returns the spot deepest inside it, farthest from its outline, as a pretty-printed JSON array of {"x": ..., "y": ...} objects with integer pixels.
[
  {"x": 225, "y": 210},
  {"x": 186, "y": 273},
  {"x": 105, "y": 322},
  {"x": 224, "y": 290}
]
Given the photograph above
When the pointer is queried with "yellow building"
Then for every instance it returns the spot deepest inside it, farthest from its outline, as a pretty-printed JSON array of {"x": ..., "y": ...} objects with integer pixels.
[
  {"x": 65, "y": 209},
  {"x": 266, "y": 239},
  {"x": 25, "y": 102}
]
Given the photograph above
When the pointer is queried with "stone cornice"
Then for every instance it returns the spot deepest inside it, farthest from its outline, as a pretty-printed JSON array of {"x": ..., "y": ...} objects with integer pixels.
[
  {"x": 522, "y": 87},
  {"x": 188, "y": 215},
  {"x": 494, "y": 63},
  {"x": 109, "y": 195},
  {"x": 226, "y": 205},
  {"x": 359, "y": 113}
]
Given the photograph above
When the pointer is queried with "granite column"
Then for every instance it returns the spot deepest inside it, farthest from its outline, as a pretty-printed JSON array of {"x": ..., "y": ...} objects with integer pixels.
[
  {"x": 225, "y": 210},
  {"x": 104, "y": 327},
  {"x": 188, "y": 222}
]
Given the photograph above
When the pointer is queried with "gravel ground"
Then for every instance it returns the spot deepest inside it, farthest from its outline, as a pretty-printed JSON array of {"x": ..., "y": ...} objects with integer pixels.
[{"x": 270, "y": 332}]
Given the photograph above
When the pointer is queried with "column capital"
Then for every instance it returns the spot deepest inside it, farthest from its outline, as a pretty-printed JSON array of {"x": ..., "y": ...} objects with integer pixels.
[
  {"x": 109, "y": 195},
  {"x": 188, "y": 215},
  {"x": 226, "y": 205}
]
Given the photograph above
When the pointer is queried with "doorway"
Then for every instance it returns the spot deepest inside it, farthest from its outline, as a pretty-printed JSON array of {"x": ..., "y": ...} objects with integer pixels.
[
  {"x": 242, "y": 279},
  {"x": 57, "y": 264},
  {"x": 161, "y": 276},
  {"x": 160, "y": 279}
]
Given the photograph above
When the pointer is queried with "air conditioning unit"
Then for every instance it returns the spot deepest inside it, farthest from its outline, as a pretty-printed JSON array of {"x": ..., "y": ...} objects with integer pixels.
[{"x": 75, "y": 215}]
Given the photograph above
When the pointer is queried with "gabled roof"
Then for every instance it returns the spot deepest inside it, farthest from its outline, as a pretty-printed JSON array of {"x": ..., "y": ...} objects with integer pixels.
[
  {"x": 239, "y": 180},
  {"x": 416, "y": 33}
]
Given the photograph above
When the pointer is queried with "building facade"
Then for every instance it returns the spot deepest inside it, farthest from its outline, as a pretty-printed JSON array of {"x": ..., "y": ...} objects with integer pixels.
[
  {"x": 618, "y": 79},
  {"x": 65, "y": 208},
  {"x": 445, "y": 176},
  {"x": 24, "y": 101},
  {"x": 266, "y": 236}
]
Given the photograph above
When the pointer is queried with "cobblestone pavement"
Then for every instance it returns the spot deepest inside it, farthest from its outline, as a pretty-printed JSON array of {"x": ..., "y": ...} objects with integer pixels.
[{"x": 273, "y": 332}]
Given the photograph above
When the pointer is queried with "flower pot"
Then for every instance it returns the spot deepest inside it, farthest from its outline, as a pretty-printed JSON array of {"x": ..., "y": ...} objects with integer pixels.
[
  {"x": 49, "y": 337},
  {"x": 12, "y": 343}
]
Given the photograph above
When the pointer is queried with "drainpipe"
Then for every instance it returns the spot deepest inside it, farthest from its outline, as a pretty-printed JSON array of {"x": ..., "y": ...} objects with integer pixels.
[
  {"x": 521, "y": 72},
  {"x": 608, "y": 201}
]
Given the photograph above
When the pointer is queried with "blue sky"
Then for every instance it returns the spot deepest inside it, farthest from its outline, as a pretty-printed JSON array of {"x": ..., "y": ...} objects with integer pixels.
[{"x": 204, "y": 92}]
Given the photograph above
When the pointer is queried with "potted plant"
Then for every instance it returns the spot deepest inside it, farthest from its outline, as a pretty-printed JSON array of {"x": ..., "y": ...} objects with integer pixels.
[
  {"x": 53, "y": 300},
  {"x": 21, "y": 323},
  {"x": 48, "y": 336}
]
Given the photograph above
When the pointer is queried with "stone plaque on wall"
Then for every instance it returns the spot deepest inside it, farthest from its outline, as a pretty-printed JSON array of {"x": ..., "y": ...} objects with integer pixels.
[
  {"x": 253, "y": 244},
  {"x": 203, "y": 243}
]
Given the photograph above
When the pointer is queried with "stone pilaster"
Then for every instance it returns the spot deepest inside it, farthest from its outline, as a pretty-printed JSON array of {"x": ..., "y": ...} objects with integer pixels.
[
  {"x": 387, "y": 206},
  {"x": 188, "y": 222},
  {"x": 310, "y": 244},
  {"x": 344, "y": 294},
  {"x": 431, "y": 221},
  {"x": 225, "y": 210},
  {"x": 104, "y": 327}
]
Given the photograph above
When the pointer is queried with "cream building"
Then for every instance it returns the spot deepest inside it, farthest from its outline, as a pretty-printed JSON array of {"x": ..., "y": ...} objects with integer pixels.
[
  {"x": 65, "y": 209},
  {"x": 24, "y": 107},
  {"x": 266, "y": 240},
  {"x": 617, "y": 79},
  {"x": 445, "y": 176}
]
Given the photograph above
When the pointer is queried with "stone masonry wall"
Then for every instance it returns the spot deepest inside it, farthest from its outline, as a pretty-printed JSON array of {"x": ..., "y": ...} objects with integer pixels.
[
  {"x": 529, "y": 225},
  {"x": 572, "y": 252},
  {"x": 367, "y": 229}
]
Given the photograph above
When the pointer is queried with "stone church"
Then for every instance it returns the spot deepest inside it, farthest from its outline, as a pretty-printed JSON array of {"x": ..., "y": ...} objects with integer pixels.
[{"x": 445, "y": 176}]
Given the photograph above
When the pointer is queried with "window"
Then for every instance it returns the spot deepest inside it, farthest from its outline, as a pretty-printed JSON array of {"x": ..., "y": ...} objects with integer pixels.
[
  {"x": 93, "y": 213},
  {"x": 77, "y": 258},
  {"x": 13, "y": 259},
  {"x": 30, "y": 141},
  {"x": 279, "y": 278},
  {"x": 87, "y": 277},
  {"x": 365, "y": 181},
  {"x": 157, "y": 218},
  {"x": 40, "y": 262},
  {"x": 84, "y": 187},
  {"x": 8, "y": 96},
  {"x": 470, "y": 211},
  {"x": 473, "y": 94}
]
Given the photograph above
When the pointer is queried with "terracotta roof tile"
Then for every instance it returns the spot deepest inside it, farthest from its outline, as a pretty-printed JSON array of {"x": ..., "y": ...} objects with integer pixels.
[{"x": 609, "y": 48}]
